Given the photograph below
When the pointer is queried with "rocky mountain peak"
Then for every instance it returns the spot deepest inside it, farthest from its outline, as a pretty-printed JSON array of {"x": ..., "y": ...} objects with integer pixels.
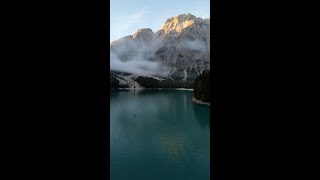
[
  {"x": 181, "y": 18},
  {"x": 178, "y": 23},
  {"x": 121, "y": 40},
  {"x": 143, "y": 34},
  {"x": 181, "y": 48}
]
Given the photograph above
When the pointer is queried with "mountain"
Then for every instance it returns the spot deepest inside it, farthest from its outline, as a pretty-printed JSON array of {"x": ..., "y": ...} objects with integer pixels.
[{"x": 179, "y": 51}]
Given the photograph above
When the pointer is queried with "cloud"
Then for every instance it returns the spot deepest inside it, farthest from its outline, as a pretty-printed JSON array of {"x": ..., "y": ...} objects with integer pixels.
[
  {"x": 195, "y": 45},
  {"x": 137, "y": 17},
  {"x": 136, "y": 58},
  {"x": 137, "y": 65}
]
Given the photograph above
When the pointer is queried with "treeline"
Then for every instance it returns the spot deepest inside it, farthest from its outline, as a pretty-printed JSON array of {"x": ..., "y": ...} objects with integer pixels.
[
  {"x": 114, "y": 83},
  {"x": 148, "y": 82},
  {"x": 201, "y": 87}
]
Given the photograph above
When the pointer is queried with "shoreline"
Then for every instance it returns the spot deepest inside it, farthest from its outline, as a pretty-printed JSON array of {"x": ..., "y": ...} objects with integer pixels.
[
  {"x": 179, "y": 89},
  {"x": 183, "y": 89},
  {"x": 199, "y": 101}
]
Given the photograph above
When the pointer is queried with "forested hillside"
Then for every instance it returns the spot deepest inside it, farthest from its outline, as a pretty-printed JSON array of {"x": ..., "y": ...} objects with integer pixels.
[{"x": 202, "y": 87}]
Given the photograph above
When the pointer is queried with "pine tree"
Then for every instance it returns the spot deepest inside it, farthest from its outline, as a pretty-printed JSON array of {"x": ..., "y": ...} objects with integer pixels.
[{"x": 202, "y": 87}]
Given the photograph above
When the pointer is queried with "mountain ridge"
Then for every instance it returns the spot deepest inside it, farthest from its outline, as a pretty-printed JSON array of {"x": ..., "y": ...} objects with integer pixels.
[{"x": 179, "y": 50}]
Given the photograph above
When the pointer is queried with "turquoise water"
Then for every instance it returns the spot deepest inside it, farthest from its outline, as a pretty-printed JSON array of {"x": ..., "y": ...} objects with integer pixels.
[{"x": 158, "y": 135}]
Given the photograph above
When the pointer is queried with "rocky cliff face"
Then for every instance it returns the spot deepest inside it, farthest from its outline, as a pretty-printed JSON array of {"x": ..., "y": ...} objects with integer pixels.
[{"x": 180, "y": 49}]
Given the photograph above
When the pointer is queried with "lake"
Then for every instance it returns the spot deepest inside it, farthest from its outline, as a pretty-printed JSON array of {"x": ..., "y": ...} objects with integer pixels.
[{"x": 158, "y": 135}]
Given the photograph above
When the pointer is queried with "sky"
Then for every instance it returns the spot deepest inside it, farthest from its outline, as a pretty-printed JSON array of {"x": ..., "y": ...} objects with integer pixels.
[{"x": 127, "y": 16}]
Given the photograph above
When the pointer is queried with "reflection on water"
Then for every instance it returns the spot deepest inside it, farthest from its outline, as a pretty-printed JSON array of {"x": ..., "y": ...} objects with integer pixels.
[
  {"x": 175, "y": 144},
  {"x": 199, "y": 110},
  {"x": 168, "y": 139}
]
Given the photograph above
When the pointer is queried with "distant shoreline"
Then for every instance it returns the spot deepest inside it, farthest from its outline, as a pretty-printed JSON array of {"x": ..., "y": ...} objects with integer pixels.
[
  {"x": 183, "y": 89},
  {"x": 179, "y": 89},
  {"x": 199, "y": 101}
]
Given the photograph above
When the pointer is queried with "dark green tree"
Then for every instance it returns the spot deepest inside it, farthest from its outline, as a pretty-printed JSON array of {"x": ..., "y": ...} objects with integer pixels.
[{"x": 202, "y": 87}]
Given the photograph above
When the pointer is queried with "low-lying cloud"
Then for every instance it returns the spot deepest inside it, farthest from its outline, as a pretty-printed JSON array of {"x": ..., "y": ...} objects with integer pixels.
[
  {"x": 135, "y": 57},
  {"x": 137, "y": 66},
  {"x": 138, "y": 57},
  {"x": 195, "y": 45}
]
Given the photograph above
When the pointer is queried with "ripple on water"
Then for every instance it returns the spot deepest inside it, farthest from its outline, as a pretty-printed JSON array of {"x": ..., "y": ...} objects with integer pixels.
[{"x": 167, "y": 141}]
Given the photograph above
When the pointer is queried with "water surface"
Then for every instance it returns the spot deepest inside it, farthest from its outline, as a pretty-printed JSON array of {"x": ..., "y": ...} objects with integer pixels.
[{"x": 158, "y": 135}]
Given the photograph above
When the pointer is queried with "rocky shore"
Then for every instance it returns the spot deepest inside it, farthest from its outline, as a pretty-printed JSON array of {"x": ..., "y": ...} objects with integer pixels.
[{"x": 200, "y": 102}]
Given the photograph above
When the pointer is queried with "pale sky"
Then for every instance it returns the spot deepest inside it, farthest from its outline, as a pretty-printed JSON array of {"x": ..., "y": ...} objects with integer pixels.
[{"x": 127, "y": 16}]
